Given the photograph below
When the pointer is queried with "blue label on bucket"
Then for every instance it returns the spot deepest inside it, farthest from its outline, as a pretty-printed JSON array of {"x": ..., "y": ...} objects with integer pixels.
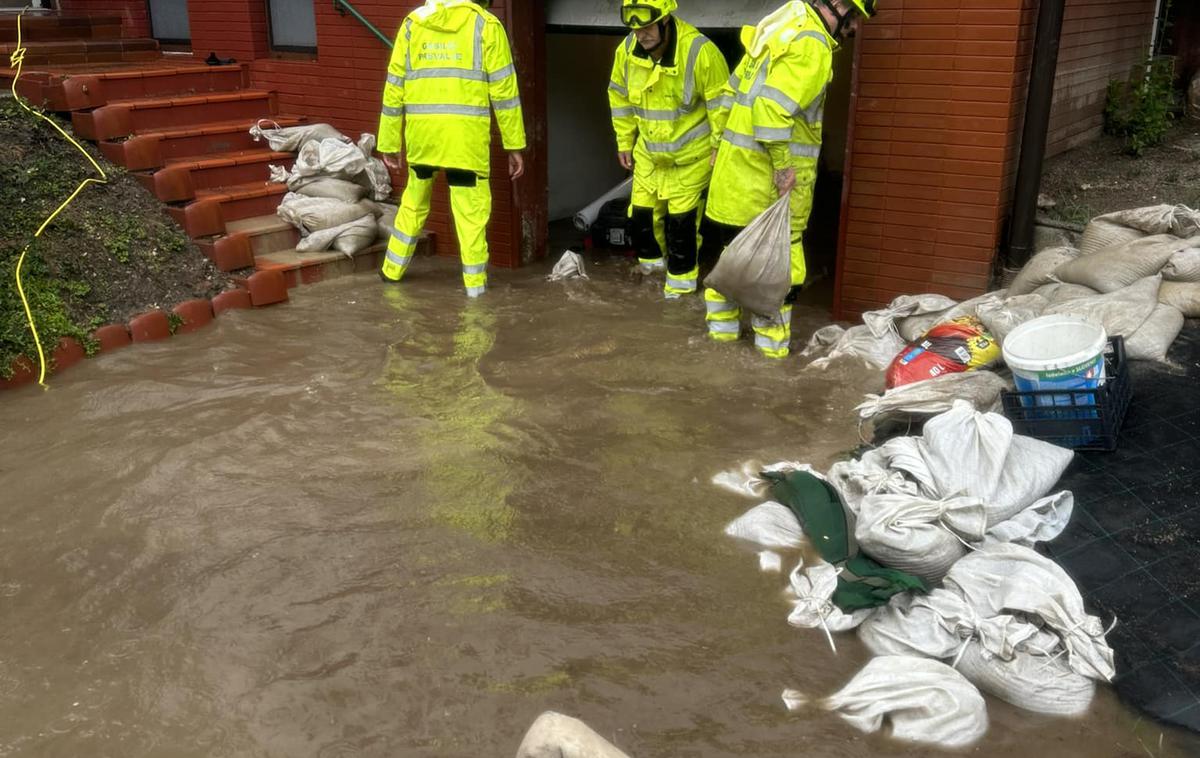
[{"x": 1087, "y": 376}]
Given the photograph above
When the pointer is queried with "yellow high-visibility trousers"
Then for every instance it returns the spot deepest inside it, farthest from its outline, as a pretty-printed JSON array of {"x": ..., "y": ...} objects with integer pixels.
[{"x": 471, "y": 207}]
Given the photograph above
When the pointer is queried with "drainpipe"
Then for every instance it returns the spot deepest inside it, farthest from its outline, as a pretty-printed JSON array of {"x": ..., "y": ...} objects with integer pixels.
[{"x": 1037, "y": 124}]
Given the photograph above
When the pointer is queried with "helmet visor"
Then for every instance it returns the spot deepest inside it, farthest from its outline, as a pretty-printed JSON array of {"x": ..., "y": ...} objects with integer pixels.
[{"x": 638, "y": 16}]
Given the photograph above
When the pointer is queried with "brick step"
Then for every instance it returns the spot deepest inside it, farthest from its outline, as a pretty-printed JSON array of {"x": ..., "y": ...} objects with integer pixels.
[
  {"x": 152, "y": 150},
  {"x": 181, "y": 179},
  {"x": 71, "y": 52},
  {"x": 212, "y": 209},
  {"x": 50, "y": 28},
  {"x": 74, "y": 92},
  {"x": 309, "y": 268},
  {"x": 121, "y": 119},
  {"x": 267, "y": 234}
]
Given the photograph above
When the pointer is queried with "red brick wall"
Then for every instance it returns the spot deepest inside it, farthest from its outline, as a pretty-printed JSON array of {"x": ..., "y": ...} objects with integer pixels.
[
  {"x": 1101, "y": 41},
  {"x": 135, "y": 21},
  {"x": 343, "y": 84},
  {"x": 940, "y": 90}
]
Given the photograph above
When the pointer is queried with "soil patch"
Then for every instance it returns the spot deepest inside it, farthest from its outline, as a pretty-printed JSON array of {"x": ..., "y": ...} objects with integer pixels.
[
  {"x": 1100, "y": 177},
  {"x": 113, "y": 253}
]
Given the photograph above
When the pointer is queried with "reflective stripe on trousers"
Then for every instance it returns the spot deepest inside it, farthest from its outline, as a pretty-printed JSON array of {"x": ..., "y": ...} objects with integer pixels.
[
  {"x": 723, "y": 317},
  {"x": 471, "y": 207},
  {"x": 772, "y": 337}
]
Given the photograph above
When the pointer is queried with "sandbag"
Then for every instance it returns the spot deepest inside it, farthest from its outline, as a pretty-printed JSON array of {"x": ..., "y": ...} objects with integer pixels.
[
  {"x": 755, "y": 269},
  {"x": 1120, "y": 266},
  {"x": 1040, "y": 269},
  {"x": 914, "y": 327},
  {"x": 917, "y": 535},
  {"x": 810, "y": 590},
  {"x": 291, "y": 138},
  {"x": 1183, "y": 296},
  {"x": 1121, "y": 312},
  {"x": 963, "y": 344},
  {"x": 869, "y": 475},
  {"x": 554, "y": 735},
  {"x": 376, "y": 179},
  {"x": 769, "y": 526},
  {"x": 329, "y": 157},
  {"x": 925, "y": 701},
  {"x": 1042, "y": 521},
  {"x": 747, "y": 480},
  {"x": 310, "y": 214},
  {"x": 386, "y": 220},
  {"x": 981, "y": 389},
  {"x": 1184, "y": 266},
  {"x": 569, "y": 266},
  {"x": 1002, "y": 578},
  {"x": 1123, "y": 227},
  {"x": 1040, "y": 683},
  {"x": 1154, "y": 337},
  {"x": 964, "y": 453},
  {"x": 1058, "y": 292},
  {"x": 832, "y": 342},
  {"x": 884, "y": 320},
  {"x": 336, "y": 189},
  {"x": 1001, "y": 318},
  {"x": 348, "y": 238}
]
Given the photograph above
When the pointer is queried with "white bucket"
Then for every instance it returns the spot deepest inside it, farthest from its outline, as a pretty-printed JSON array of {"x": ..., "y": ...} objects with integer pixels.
[{"x": 1056, "y": 353}]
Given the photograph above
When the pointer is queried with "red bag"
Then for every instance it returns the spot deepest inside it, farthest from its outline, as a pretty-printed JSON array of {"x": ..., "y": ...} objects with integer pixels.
[{"x": 949, "y": 348}]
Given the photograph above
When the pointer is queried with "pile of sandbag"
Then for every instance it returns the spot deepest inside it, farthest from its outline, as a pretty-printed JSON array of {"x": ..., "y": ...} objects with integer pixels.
[
  {"x": 335, "y": 187},
  {"x": 958, "y": 507}
]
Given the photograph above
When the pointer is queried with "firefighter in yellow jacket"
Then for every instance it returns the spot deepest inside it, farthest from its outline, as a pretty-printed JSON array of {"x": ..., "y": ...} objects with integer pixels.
[
  {"x": 771, "y": 143},
  {"x": 451, "y": 67},
  {"x": 667, "y": 112}
]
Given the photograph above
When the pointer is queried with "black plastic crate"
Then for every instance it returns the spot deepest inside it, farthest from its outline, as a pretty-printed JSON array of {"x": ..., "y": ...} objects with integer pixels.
[{"x": 1079, "y": 419}]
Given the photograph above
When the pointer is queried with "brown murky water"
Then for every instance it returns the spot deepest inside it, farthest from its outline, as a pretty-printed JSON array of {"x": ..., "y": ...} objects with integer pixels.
[{"x": 390, "y": 522}]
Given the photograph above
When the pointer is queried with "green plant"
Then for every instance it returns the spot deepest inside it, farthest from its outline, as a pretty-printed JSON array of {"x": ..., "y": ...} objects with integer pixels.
[
  {"x": 174, "y": 321},
  {"x": 1140, "y": 109}
]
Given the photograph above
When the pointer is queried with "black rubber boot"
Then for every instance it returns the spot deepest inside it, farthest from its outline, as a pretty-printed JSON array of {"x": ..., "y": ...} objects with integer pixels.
[{"x": 641, "y": 227}]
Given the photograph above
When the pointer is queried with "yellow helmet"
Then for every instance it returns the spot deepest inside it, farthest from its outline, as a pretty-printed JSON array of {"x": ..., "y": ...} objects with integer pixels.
[
  {"x": 866, "y": 7},
  {"x": 638, "y": 14}
]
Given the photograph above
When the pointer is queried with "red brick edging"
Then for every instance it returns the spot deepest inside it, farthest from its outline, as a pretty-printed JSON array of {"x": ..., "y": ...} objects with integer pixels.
[{"x": 260, "y": 289}]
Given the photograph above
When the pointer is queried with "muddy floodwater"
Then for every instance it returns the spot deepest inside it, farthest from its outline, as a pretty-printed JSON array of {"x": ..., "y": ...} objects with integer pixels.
[{"x": 386, "y": 521}]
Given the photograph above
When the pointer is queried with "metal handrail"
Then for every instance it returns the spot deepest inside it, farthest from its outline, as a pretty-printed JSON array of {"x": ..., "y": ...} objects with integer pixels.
[{"x": 342, "y": 6}]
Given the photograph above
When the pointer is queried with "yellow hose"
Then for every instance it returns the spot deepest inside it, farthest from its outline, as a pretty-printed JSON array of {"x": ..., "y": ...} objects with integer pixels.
[{"x": 17, "y": 60}]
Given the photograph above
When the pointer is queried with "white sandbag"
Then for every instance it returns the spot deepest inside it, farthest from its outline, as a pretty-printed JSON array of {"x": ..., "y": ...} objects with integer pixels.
[
  {"x": 1040, "y": 683},
  {"x": 811, "y": 592},
  {"x": 348, "y": 238},
  {"x": 329, "y": 157},
  {"x": 1118, "y": 267},
  {"x": 1123, "y": 227},
  {"x": 310, "y": 214},
  {"x": 981, "y": 389},
  {"x": 769, "y": 526},
  {"x": 1042, "y": 521},
  {"x": 1154, "y": 337},
  {"x": 833, "y": 342},
  {"x": 925, "y": 701},
  {"x": 914, "y": 625},
  {"x": 1040, "y": 269},
  {"x": 1002, "y": 317},
  {"x": 914, "y": 327},
  {"x": 569, "y": 266},
  {"x": 335, "y": 189},
  {"x": 291, "y": 138},
  {"x": 966, "y": 453},
  {"x": 1002, "y": 578},
  {"x": 1183, "y": 296},
  {"x": 883, "y": 321},
  {"x": 376, "y": 179},
  {"x": 869, "y": 475},
  {"x": 1121, "y": 312},
  {"x": 386, "y": 220},
  {"x": 1184, "y": 266},
  {"x": 1057, "y": 293},
  {"x": 755, "y": 269},
  {"x": 366, "y": 145},
  {"x": 278, "y": 174},
  {"x": 554, "y": 735},
  {"x": 917, "y": 535}
]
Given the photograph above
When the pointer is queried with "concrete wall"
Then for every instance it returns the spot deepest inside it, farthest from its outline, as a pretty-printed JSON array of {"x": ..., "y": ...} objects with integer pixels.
[{"x": 583, "y": 151}]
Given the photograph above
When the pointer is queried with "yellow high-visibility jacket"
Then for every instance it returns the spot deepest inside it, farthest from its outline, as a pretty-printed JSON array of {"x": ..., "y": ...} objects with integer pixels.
[
  {"x": 775, "y": 123},
  {"x": 671, "y": 109},
  {"x": 450, "y": 68}
]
